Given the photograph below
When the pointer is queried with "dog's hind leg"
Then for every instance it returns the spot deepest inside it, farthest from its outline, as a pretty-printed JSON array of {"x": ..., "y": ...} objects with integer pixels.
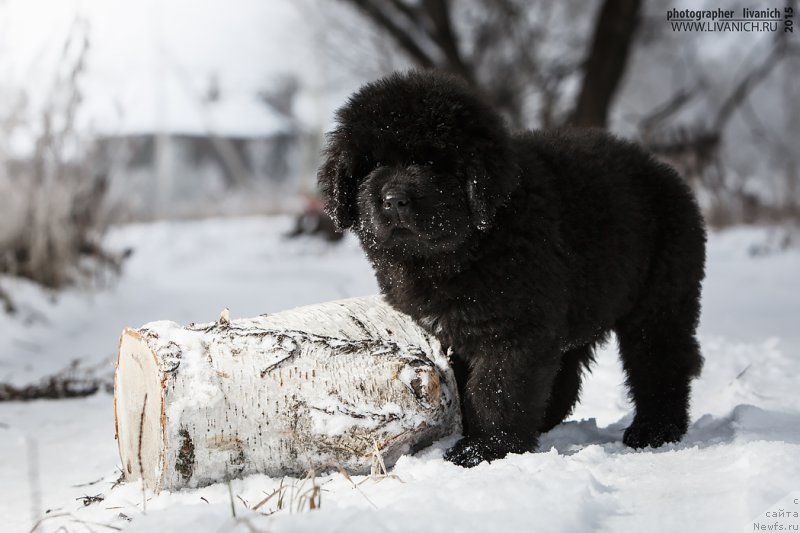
[
  {"x": 657, "y": 342},
  {"x": 567, "y": 385},
  {"x": 660, "y": 355}
]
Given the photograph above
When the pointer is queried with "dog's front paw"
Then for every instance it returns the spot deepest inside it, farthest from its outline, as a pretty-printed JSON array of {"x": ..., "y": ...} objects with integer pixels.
[
  {"x": 471, "y": 451},
  {"x": 654, "y": 433}
]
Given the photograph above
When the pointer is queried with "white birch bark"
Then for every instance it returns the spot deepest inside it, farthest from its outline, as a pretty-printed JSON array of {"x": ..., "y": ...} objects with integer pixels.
[{"x": 312, "y": 387}]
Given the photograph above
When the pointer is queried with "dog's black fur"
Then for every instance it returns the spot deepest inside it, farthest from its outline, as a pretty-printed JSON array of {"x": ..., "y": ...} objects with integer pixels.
[{"x": 521, "y": 253}]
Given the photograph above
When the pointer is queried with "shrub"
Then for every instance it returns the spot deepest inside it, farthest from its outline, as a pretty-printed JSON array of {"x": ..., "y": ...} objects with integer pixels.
[{"x": 51, "y": 194}]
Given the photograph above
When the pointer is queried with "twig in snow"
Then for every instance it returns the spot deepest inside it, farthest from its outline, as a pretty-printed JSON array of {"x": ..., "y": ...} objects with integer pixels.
[
  {"x": 740, "y": 374},
  {"x": 89, "y": 500},
  {"x": 119, "y": 480},
  {"x": 89, "y": 484}
]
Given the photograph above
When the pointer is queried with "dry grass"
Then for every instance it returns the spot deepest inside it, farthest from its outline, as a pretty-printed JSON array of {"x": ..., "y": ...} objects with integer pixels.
[
  {"x": 296, "y": 497},
  {"x": 51, "y": 194},
  {"x": 305, "y": 494}
]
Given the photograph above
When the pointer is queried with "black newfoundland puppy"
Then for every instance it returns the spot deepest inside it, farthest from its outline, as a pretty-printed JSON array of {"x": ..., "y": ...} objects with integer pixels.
[{"x": 521, "y": 252}]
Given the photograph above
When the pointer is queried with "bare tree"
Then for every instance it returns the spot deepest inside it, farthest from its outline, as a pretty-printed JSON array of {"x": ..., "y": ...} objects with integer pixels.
[
  {"x": 695, "y": 148},
  {"x": 494, "y": 46}
]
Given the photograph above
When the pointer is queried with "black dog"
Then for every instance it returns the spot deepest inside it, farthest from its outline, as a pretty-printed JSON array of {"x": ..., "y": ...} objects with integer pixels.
[{"x": 521, "y": 253}]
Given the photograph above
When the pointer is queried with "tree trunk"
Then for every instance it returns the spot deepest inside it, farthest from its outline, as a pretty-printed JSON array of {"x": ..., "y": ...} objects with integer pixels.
[
  {"x": 611, "y": 44},
  {"x": 314, "y": 387}
]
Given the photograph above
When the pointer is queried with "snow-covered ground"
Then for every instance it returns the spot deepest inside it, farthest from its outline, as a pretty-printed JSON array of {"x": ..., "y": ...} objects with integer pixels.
[{"x": 739, "y": 458}]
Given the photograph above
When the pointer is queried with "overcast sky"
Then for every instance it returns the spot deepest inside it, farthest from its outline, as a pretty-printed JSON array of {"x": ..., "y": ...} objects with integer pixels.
[{"x": 150, "y": 60}]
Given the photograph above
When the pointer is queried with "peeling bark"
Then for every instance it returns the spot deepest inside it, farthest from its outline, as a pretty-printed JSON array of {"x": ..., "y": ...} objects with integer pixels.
[{"x": 314, "y": 387}]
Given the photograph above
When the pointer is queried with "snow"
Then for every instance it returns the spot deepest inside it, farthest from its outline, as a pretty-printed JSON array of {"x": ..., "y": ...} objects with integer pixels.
[{"x": 738, "y": 461}]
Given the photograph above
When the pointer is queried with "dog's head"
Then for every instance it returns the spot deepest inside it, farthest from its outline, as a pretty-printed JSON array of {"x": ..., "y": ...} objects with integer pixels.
[{"x": 417, "y": 163}]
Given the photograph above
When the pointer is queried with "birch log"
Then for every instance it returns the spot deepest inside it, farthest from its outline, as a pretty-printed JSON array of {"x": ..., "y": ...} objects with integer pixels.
[{"x": 278, "y": 394}]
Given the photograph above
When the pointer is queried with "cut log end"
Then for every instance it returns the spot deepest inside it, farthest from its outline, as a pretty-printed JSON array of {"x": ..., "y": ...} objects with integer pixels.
[{"x": 138, "y": 410}]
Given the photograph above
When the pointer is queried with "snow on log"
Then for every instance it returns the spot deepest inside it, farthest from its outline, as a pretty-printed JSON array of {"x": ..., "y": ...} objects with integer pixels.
[{"x": 314, "y": 387}]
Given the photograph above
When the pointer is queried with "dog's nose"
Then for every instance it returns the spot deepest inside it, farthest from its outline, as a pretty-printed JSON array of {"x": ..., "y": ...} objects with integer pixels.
[{"x": 395, "y": 200}]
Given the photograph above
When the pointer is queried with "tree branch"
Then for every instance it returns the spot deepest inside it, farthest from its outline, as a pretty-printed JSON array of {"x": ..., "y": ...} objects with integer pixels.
[
  {"x": 403, "y": 38},
  {"x": 665, "y": 110},
  {"x": 409, "y": 11},
  {"x": 445, "y": 37},
  {"x": 748, "y": 83}
]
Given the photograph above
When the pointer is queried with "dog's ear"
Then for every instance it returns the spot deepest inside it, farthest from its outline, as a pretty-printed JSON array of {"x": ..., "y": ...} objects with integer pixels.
[
  {"x": 489, "y": 188},
  {"x": 337, "y": 184}
]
